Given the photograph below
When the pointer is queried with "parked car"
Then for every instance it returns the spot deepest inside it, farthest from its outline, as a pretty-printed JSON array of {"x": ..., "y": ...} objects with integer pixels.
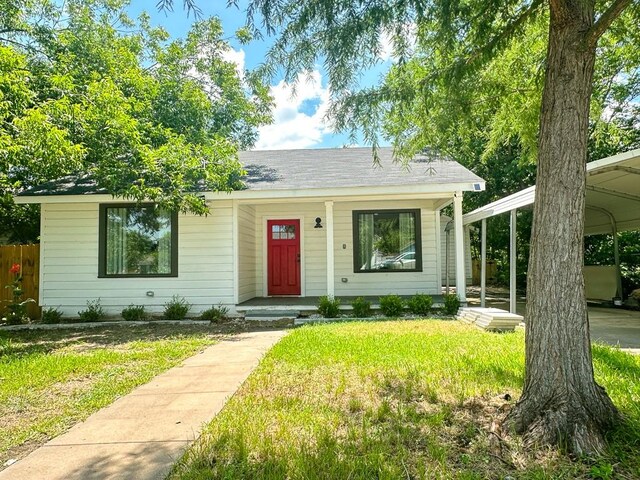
[{"x": 404, "y": 261}]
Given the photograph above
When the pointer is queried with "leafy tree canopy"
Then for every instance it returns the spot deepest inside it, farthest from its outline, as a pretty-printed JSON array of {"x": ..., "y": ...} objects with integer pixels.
[
  {"x": 85, "y": 90},
  {"x": 464, "y": 72}
]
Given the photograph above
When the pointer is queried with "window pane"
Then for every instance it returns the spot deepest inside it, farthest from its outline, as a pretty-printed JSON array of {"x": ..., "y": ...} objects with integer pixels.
[
  {"x": 283, "y": 232},
  {"x": 138, "y": 241},
  {"x": 386, "y": 241}
]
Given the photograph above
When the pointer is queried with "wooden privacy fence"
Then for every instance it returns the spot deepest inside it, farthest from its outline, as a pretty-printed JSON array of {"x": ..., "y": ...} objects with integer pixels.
[{"x": 28, "y": 257}]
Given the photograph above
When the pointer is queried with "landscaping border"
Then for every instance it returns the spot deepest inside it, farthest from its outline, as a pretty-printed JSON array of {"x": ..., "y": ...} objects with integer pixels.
[{"x": 55, "y": 326}]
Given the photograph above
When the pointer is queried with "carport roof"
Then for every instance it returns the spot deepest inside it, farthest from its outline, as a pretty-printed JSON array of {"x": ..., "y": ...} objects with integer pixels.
[{"x": 613, "y": 191}]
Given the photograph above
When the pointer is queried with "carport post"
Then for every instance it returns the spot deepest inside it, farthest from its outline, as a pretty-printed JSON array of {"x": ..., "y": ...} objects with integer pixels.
[
  {"x": 483, "y": 263},
  {"x": 512, "y": 261},
  {"x": 616, "y": 258}
]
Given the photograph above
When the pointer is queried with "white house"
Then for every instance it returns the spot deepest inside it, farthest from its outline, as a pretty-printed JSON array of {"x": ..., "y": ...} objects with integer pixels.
[{"x": 309, "y": 223}]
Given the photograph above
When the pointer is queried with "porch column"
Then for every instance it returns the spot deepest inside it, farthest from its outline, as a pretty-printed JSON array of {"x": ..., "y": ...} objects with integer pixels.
[
  {"x": 512, "y": 261},
  {"x": 483, "y": 263},
  {"x": 461, "y": 287},
  {"x": 331, "y": 286},
  {"x": 438, "y": 249},
  {"x": 236, "y": 254}
]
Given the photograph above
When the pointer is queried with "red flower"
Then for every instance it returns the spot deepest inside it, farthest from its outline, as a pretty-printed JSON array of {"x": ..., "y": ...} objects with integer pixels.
[{"x": 15, "y": 268}]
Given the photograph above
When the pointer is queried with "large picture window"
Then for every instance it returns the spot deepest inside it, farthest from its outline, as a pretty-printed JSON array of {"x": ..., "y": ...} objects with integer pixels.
[
  {"x": 387, "y": 241},
  {"x": 137, "y": 241}
]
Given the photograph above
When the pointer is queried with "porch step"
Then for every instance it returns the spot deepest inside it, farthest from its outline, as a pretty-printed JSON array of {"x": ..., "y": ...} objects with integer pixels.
[
  {"x": 493, "y": 319},
  {"x": 271, "y": 315}
]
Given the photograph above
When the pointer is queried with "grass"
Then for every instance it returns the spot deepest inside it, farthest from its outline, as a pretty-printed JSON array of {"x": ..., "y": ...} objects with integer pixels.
[
  {"x": 52, "y": 379},
  {"x": 391, "y": 400}
]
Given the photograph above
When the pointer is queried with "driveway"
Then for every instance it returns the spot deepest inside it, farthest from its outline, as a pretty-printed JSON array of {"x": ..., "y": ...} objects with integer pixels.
[{"x": 613, "y": 326}]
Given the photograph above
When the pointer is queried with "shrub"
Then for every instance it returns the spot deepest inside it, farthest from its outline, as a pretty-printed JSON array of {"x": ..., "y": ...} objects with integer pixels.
[
  {"x": 361, "y": 308},
  {"x": 328, "y": 307},
  {"x": 176, "y": 308},
  {"x": 51, "y": 315},
  {"x": 420, "y": 304},
  {"x": 17, "y": 308},
  {"x": 134, "y": 313},
  {"x": 93, "y": 313},
  {"x": 451, "y": 304},
  {"x": 392, "y": 305},
  {"x": 215, "y": 314}
]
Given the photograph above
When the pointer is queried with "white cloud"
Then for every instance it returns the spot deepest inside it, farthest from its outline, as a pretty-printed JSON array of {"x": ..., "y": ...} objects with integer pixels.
[
  {"x": 227, "y": 54},
  {"x": 298, "y": 119},
  {"x": 386, "y": 41}
]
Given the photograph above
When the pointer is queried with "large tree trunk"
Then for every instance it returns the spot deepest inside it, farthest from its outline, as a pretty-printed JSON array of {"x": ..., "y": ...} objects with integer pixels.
[{"x": 561, "y": 403}]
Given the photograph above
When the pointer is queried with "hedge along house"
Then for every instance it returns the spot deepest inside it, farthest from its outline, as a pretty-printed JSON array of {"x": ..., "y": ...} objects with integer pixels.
[{"x": 308, "y": 223}]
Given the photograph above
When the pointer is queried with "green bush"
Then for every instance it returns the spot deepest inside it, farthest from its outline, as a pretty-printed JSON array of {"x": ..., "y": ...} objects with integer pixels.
[
  {"x": 215, "y": 314},
  {"x": 93, "y": 313},
  {"x": 420, "y": 304},
  {"x": 134, "y": 313},
  {"x": 392, "y": 305},
  {"x": 176, "y": 308},
  {"x": 51, "y": 315},
  {"x": 451, "y": 304},
  {"x": 328, "y": 307},
  {"x": 361, "y": 308}
]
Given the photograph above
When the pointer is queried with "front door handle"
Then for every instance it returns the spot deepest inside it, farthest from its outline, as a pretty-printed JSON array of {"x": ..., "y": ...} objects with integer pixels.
[{"x": 298, "y": 258}]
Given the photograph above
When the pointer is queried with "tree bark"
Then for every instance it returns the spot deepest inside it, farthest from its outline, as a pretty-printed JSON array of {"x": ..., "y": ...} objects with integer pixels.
[{"x": 561, "y": 403}]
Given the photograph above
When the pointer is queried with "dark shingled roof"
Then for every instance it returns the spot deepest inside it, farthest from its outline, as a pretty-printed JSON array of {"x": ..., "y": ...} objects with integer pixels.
[{"x": 313, "y": 168}]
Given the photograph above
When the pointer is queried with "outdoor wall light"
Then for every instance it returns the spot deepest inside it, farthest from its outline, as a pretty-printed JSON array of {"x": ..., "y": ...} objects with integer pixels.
[{"x": 318, "y": 223}]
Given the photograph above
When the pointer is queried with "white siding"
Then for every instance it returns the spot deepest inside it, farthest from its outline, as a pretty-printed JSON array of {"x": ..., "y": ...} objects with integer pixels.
[
  {"x": 70, "y": 262},
  {"x": 382, "y": 283},
  {"x": 206, "y": 257},
  {"x": 247, "y": 252}
]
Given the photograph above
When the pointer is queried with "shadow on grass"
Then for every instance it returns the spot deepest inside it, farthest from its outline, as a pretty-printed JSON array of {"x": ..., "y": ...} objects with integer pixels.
[
  {"x": 389, "y": 449},
  {"x": 32, "y": 342}
]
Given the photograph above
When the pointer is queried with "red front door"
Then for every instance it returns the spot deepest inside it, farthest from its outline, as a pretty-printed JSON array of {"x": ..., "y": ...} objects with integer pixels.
[{"x": 283, "y": 257}]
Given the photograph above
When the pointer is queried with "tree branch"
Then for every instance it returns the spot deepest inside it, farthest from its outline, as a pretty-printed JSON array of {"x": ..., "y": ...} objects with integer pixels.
[
  {"x": 606, "y": 19},
  {"x": 506, "y": 33}
]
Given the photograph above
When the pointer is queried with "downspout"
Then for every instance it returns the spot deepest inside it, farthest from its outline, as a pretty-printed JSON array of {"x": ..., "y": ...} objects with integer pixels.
[{"x": 447, "y": 230}]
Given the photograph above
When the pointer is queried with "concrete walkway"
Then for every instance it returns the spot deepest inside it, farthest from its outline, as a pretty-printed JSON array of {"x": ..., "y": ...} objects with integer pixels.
[{"x": 142, "y": 434}]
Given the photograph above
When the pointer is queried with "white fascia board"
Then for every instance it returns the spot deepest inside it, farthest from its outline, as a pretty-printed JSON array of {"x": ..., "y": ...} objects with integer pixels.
[
  {"x": 442, "y": 189},
  {"x": 520, "y": 199},
  {"x": 606, "y": 162},
  {"x": 439, "y": 190},
  {"x": 88, "y": 198}
]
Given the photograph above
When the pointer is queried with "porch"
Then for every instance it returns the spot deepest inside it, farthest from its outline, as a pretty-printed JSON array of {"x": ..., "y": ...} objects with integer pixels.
[
  {"x": 310, "y": 304},
  {"x": 315, "y": 246}
]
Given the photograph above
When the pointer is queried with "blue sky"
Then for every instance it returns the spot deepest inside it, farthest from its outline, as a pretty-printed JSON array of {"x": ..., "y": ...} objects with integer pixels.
[{"x": 298, "y": 120}]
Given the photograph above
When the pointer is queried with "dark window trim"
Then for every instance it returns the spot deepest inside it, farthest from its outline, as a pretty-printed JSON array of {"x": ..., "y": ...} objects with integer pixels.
[
  {"x": 356, "y": 238},
  {"x": 102, "y": 243}
]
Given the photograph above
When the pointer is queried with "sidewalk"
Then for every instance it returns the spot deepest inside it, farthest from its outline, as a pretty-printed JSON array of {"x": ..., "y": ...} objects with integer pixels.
[{"x": 142, "y": 434}]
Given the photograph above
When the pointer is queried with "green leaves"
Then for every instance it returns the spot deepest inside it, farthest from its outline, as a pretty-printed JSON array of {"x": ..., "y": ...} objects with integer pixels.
[{"x": 88, "y": 91}]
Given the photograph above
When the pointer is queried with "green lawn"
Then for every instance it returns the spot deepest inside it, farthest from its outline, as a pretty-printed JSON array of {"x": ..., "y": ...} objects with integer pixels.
[
  {"x": 396, "y": 400},
  {"x": 50, "y": 380}
]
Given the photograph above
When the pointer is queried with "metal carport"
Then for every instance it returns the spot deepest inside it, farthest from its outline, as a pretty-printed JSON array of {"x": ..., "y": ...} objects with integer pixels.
[{"x": 612, "y": 206}]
